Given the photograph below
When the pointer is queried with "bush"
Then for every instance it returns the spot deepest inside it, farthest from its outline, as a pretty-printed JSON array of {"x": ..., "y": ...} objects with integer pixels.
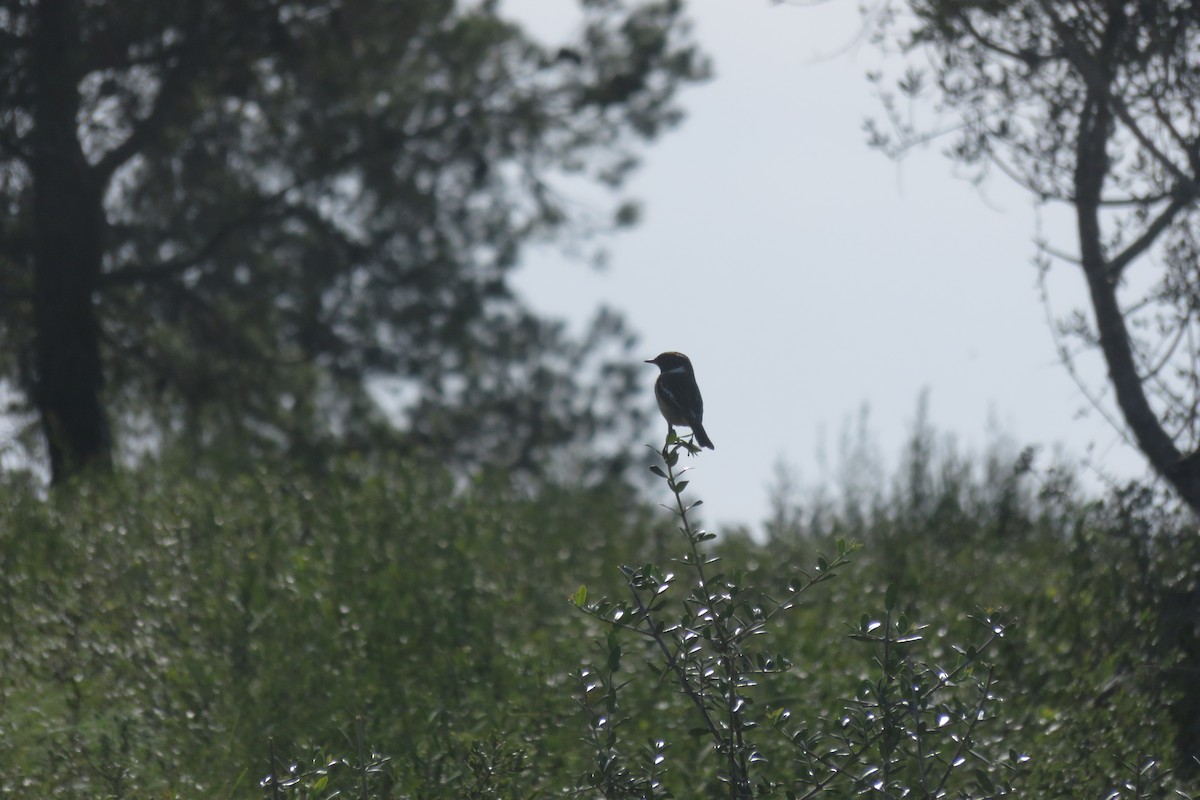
[
  {"x": 163, "y": 635},
  {"x": 381, "y": 629}
]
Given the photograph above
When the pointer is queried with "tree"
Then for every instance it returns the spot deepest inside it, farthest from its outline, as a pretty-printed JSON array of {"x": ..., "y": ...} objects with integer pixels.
[
  {"x": 1095, "y": 105},
  {"x": 239, "y": 215}
]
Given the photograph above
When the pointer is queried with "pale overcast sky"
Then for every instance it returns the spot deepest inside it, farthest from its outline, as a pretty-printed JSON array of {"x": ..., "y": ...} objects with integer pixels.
[{"x": 822, "y": 275}]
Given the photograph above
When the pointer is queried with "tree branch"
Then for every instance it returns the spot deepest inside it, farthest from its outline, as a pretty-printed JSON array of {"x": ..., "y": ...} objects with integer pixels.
[
  {"x": 1091, "y": 167},
  {"x": 169, "y": 98},
  {"x": 176, "y": 266},
  {"x": 1076, "y": 53},
  {"x": 1029, "y": 58},
  {"x": 1184, "y": 197},
  {"x": 1154, "y": 370},
  {"x": 1135, "y": 201},
  {"x": 1122, "y": 112},
  {"x": 1165, "y": 119}
]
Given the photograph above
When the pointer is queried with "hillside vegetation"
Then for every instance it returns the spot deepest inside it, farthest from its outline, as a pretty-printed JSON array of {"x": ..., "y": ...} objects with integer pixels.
[{"x": 377, "y": 629}]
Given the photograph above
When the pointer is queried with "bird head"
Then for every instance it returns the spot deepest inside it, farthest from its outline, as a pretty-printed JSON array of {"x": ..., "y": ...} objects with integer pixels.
[{"x": 671, "y": 361}]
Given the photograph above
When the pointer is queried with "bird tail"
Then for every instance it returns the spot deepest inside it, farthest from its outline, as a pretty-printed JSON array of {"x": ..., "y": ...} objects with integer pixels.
[{"x": 702, "y": 437}]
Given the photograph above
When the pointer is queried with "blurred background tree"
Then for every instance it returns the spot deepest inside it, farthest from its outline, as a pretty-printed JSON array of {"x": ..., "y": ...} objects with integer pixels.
[{"x": 242, "y": 218}]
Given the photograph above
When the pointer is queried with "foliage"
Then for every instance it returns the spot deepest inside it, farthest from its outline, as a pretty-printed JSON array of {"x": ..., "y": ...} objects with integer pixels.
[
  {"x": 1090, "y": 105},
  {"x": 1095, "y": 661},
  {"x": 158, "y": 634},
  {"x": 378, "y": 629},
  {"x": 293, "y": 200},
  {"x": 908, "y": 730}
]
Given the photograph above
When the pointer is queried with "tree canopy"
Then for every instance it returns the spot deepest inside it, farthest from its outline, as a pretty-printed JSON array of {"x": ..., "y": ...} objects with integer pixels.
[{"x": 234, "y": 216}]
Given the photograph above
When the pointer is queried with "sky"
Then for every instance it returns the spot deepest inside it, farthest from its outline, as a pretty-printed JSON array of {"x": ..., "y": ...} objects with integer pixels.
[{"x": 823, "y": 277}]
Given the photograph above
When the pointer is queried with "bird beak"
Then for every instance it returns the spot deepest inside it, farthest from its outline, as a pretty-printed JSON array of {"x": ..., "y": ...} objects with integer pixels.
[{"x": 649, "y": 361}]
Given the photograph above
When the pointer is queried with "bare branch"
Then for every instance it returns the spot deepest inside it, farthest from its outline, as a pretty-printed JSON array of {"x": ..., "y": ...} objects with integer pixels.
[
  {"x": 1013, "y": 174},
  {"x": 1136, "y": 202},
  {"x": 1153, "y": 372},
  {"x": 1060, "y": 255},
  {"x": 1068, "y": 362}
]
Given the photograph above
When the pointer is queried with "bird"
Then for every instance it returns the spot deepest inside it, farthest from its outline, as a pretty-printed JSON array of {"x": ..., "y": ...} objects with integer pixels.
[{"x": 678, "y": 395}]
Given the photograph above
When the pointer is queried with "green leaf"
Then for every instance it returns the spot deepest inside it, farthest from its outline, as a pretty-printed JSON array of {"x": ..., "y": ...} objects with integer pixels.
[
  {"x": 614, "y": 651},
  {"x": 889, "y": 597},
  {"x": 657, "y": 470},
  {"x": 580, "y": 596}
]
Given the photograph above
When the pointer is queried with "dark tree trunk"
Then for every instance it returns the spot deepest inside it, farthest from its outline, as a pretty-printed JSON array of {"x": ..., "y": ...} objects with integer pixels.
[
  {"x": 68, "y": 222},
  {"x": 1176, "y": 609},
  {"x": 1091, "y": 168}
]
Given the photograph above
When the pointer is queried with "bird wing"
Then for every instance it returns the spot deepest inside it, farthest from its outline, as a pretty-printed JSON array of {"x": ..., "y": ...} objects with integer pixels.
[{"x": 683, "y": 393}]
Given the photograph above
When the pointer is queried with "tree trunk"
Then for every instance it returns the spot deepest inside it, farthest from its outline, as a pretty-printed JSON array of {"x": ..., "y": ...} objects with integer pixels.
[
  {"x": 1176, "y": 637},
  {"x": 1091, "y": 167},
  {"x": 68, "y": 223}
]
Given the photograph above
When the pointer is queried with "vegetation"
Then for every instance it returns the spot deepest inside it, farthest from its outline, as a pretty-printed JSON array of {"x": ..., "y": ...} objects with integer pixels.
[
  {"x": 229, "y": 219},
  {"x": 380, "y": 629},
  {"x": 224, "y": 228},
  {"x": 1092, "y": 106}
]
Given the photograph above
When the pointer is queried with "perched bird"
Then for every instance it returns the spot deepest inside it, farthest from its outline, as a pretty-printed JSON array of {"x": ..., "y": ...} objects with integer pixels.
[{"x": 678, "y": 395}]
